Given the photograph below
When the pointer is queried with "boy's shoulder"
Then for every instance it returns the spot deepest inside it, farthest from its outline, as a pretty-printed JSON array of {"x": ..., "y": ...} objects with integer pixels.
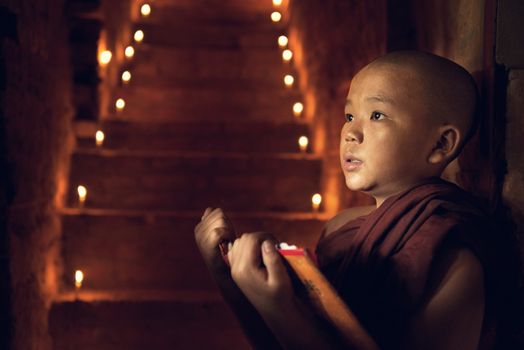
[{"x": 344, "y": 216}]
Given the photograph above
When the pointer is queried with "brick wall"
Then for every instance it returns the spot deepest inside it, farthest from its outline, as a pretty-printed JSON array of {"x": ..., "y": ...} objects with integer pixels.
[{"x": 35, "y": 125}]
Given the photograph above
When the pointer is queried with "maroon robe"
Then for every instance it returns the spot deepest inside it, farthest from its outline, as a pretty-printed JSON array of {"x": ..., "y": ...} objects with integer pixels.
[{"x": 380, "y": 263}]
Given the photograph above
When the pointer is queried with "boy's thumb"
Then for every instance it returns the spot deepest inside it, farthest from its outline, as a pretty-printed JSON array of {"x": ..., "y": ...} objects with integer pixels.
[{"x": 271, "y": 258}]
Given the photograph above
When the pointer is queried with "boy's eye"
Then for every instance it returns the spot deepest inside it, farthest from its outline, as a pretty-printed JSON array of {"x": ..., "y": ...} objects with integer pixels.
[
  {"x": 349, "y": 117},
  {"x": 377, "y": 116}
]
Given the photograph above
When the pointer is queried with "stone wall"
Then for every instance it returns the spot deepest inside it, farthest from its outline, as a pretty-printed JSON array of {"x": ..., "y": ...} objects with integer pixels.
[
  {"x": 36, "y": 143},
  {"x": 510, "y": 54}
]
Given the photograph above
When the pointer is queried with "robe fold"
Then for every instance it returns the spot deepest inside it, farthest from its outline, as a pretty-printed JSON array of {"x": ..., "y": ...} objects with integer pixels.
[{"x": 380, "y": 263}]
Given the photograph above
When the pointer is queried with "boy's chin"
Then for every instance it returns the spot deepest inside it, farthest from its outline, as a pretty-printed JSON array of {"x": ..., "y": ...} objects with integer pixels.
[{"x": 356, "y": 183}]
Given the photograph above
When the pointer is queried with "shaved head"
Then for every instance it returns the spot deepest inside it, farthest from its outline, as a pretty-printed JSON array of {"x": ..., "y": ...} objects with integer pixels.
[{"x": 448, "y": 89}]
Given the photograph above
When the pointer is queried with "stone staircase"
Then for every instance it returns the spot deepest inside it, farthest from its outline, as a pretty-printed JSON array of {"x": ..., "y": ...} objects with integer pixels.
[{"x": 207, "y": 122}]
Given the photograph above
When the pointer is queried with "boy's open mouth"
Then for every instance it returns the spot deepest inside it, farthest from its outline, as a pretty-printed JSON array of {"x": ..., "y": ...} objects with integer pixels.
[{"x": 351, "y": 162}]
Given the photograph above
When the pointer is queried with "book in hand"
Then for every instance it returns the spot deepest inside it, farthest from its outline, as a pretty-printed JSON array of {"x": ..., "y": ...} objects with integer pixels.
[
  {"x": 324, "y": 297},
  {"x": 321, "y": 294}
]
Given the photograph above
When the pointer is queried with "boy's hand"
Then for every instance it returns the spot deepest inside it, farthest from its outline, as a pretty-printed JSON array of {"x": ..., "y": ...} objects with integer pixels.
[
  {"x": 214, "y": 229},
  {"x": 258, "y": 270}
]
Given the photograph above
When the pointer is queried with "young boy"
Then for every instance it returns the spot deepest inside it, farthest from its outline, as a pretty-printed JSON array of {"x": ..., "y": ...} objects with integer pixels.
[{"x": 412, "y": 268}]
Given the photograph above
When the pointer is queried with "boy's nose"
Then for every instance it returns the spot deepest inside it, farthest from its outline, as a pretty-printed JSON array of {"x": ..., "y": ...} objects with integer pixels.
[{"x": 352, "y": 133}]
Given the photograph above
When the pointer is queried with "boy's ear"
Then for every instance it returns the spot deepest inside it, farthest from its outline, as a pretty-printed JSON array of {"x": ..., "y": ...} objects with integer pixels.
[{"x": 446, "y": 146}]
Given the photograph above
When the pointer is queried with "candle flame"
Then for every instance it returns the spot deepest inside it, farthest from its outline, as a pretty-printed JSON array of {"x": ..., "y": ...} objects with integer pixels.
[
  {"x": 145, "y": 10},
  {"x": 289, "y": 80},
  {"x": 79, "y": 278},
  {"x": 82, "y": 191},
  {"x": 105, "y": 57},
  {"x": 277, "y": 2},
  {"x": 99, "y": 136},
  {"x": 276, "y": 16},
  {"x": 126, "y": 76},
  {"x": 298, "y": 108},
  {"x": 287, "y": 55},
  {"x": 316, "y": 199},
  {"x": 302, "y": 143},
  {"x": 120, "y": 104},
  {"x": 139, "y": 36},
  {"x": 282, "y": 41},
  {"x": 129, "y": 51}
]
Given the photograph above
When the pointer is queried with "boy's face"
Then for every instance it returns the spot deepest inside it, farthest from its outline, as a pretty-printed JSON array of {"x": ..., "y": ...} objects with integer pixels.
[{"x": 389, "y": 132}]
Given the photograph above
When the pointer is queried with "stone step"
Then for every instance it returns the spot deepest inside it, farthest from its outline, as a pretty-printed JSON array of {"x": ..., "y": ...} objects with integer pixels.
[
  {"x": 108, "y": 323},
  {"x": 155, "y": 250},
  {"x": 251, "y": 67},
  {"x": 217, "y": 100},
  {"x": 138, "y": 111},
  {"x": 212, "y": 11},
  {"x": 259, "y": 137},
  {"x": 227, "y": 28},
  {"x": 191, "y": 181},
  {"x": 216, "y": 5}
]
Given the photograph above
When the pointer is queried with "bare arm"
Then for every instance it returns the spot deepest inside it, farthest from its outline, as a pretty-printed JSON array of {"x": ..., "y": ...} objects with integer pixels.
[
  {"x": 209, "y": 233},
  {"x": 451, "y": 318}
]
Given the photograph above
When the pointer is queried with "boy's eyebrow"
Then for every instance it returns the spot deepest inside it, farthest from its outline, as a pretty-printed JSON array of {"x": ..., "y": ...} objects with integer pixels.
[
  {"x": 375, "y": 98},
  {"x": 381, "y": 99}
]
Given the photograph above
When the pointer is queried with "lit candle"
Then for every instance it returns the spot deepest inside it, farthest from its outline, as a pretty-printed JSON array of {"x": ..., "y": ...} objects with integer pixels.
[
  {"x": 126, "y": 76},
  {"x": 315, "y": 201},
  {"x": 287, "y": 55},
  {"x": 145, "y": 10},
  {"x": 120, "y": 104},
  {"x": 79, "y": 278},
  {"x": 82, "y": 194},
  {"x": 129, "y": 51},
  {"x": 139, "y": 36},
  {"x": 277, "y": 2},
  {"x": 289, "y": 80},
  {"x": 282, "y": 41},
  {"x": 105, "y": 57},
  {"x": 297, "y": 109},
  {"x": 302, "y": 143},
  {"x": 99, "y": 137},
  {"x": 276, "y": 16}
]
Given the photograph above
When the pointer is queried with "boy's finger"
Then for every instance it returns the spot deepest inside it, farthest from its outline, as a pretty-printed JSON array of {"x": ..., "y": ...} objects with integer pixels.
[
  {"x": 211, "y": 213},
  {"x": 213, "y": 220},
  {"x": 276, "y": 271},
  {"x": 206, "y": 212}
]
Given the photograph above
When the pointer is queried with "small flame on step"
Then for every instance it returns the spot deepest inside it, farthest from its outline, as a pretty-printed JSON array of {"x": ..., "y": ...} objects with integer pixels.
[
  {"x": 287, "y": 55},
  {"x": 289, "y": 80},
  {"x": 276, "y": 16},
  {"x": 129, "y": 51},
  {"x": 120, "y": 104},
  {"x": 126, "y": 76},
  {"x": 105, "y": 57},
  {"x": 82, "y": 194},
  {"x": 298, "y": 108},
  {"x": 302, "y": 143},
  {"x": 139, "y": 36},
  {"x": 145, "y": 10},
  {"x": 282, "y": 41},
  {"x": 79, "y": 278},
  {"x": 99, "y": 137},
  {"x": 316, "y": 199}
]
